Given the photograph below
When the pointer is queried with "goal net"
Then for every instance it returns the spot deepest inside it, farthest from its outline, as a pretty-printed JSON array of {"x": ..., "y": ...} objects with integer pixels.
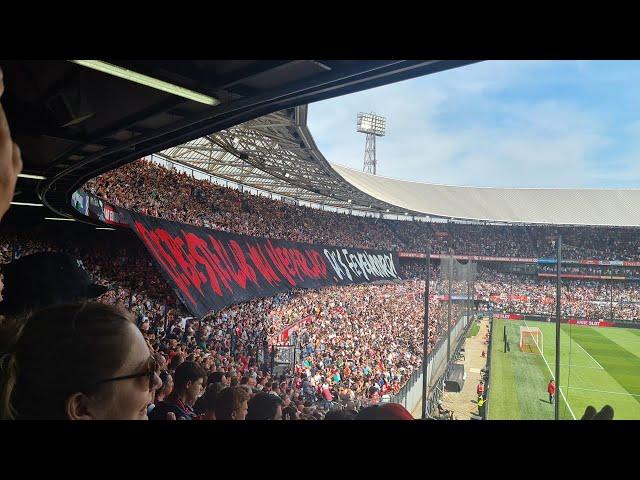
[{"x": 531, "y": 340}]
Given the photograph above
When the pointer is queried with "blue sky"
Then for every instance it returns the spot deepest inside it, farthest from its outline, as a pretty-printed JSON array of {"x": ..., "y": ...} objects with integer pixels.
[{"x": 498, "y": 123}]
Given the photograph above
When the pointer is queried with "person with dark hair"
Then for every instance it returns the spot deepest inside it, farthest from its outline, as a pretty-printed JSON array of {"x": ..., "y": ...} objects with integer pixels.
[
  {"x": 218, "y": 377},
  {"x": 341, "y": 415},
  {"x": 232, "y": 404},
  {"x": 176, "y": 361},
  {"x": 388, "y": 411},
  {"x": 189, "y": 382},
  {"x": 264, "y": 406},
  {"x": 206, "y": 404},
  {"x": 290, "y": 412},
  {"x": 551, "y": 390},
  {"x": 84, "y": 361}
]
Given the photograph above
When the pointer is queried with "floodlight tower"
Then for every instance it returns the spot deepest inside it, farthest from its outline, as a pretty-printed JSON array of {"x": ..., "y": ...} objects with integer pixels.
[{"x": 373, "y": 126}]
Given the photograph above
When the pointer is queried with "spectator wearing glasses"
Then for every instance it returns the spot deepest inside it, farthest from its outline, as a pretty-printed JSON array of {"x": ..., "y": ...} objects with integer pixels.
[
  {"x": 83, "y": 361},
  {"x": 188, "y": 385}
]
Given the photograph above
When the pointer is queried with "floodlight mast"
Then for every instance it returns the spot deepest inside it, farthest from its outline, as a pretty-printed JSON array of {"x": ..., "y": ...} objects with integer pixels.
[{"x": 373, "y": 126}]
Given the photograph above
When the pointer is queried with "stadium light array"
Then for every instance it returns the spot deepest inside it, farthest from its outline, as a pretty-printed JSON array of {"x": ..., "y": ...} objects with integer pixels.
[
  {"x": 27, "y": 204},
  {"x": 60, "y": 219},
  {"x": 147, "y": 81},
  {"x": 104, "y": 228},
  {"x": 371, "y": 123}
]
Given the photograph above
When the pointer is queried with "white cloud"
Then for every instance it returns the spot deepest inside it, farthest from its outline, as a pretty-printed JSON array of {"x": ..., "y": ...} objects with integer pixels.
[{"x": 503, "y": 140}]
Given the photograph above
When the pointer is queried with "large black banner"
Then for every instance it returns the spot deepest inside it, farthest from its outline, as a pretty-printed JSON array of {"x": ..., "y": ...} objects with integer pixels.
[{"x": 210, "y": 269}]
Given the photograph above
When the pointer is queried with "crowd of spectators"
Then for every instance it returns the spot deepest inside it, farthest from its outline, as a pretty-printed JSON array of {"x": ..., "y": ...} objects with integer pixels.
[
  {"x": 356, "y": 343},
  {"x": 361, "y": 342},
  {"x": 151, "y": 189},
  {"x": 530, "y": 294},
  {"x": 580, "y": 299}
]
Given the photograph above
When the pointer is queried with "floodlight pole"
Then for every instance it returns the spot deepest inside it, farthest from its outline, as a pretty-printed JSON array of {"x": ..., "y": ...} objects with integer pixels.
[
  {"x": 425, "y": 343},
  {"x": 370, "y": 161},
  {"x": 372, "y": 126},
  {"x": 558, "y": 265}
]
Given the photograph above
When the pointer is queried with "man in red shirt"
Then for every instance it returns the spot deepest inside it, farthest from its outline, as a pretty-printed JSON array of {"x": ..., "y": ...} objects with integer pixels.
[
  {"x": 551, "y": 389},
  {"x": 480, "y": 388}
]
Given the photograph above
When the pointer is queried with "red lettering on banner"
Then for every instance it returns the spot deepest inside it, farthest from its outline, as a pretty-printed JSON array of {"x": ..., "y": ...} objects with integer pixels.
[
  {"x": 285, "y": 254},
  {"x": 301, "y": 263},
  {"x": 154, "y": 245},
  {"x": 262, "y": 264},
  {"x": 277, "y": 261},
  {"x": 319, "y": 263},
  {"x": 186, "y": 261},
  {"x": 200, "y": 251},
  {"x": 244, "y": 269}
]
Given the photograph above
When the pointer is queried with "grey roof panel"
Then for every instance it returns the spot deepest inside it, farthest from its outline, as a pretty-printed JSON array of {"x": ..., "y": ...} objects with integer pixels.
[{"x": 606, "y": 207}]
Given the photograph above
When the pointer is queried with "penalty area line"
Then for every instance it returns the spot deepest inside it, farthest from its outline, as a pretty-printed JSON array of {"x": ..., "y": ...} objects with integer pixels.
[{"x": 605, "y": 391}]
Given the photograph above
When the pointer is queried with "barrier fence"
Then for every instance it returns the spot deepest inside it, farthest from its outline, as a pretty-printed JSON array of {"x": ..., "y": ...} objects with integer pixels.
[
  {"x": 487, "y": 386},
  {"x": 410, "y": 395}
]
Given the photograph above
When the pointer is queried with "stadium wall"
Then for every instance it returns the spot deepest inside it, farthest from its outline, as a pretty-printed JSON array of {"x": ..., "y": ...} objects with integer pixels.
[{"x": 410, "y": 396}]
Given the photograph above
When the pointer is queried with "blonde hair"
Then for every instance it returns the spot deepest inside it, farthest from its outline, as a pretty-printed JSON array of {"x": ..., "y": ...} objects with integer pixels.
[{"x": 10, "y": 333}]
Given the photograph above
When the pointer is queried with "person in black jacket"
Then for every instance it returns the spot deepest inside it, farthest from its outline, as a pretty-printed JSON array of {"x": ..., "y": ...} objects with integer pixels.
[{"x": 189, "y": 384}]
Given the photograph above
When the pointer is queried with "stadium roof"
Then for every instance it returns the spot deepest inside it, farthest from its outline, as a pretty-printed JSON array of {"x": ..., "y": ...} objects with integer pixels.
[
  {"x": 277, "y": 153},
  {"x": 74, "y": 120},
  {"x": 517, "y": 205}
]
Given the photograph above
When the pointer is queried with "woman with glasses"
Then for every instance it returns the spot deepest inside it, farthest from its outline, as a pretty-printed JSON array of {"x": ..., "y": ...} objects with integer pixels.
[{"x": 82, "y": 361}]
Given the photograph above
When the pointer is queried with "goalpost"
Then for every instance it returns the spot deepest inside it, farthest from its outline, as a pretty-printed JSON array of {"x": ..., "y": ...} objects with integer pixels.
[{"x": 531, "y": 340}]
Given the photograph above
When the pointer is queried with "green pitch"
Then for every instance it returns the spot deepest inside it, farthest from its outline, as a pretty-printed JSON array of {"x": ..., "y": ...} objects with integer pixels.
[
  {"x": 473, "y": 331},
  {"x": 598, "y": 366}
]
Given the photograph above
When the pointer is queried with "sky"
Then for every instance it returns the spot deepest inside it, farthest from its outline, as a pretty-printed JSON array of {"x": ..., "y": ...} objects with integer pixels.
[{"x": 571, "y": 124}]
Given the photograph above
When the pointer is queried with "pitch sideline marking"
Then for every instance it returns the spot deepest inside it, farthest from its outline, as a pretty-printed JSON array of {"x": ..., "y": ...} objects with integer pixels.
[
  {"x": 605, "y": 391},
  {"x": 552, "y": 374}
]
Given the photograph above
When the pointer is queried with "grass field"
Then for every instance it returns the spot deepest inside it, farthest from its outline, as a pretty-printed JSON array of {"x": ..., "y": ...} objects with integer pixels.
[
  {"x": 473, "y": 331},
  {"x": 598, "y": 366}
]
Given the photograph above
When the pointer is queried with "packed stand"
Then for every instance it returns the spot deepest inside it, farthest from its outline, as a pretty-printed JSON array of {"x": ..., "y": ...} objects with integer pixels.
[{"x": 148, "y": 188}]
